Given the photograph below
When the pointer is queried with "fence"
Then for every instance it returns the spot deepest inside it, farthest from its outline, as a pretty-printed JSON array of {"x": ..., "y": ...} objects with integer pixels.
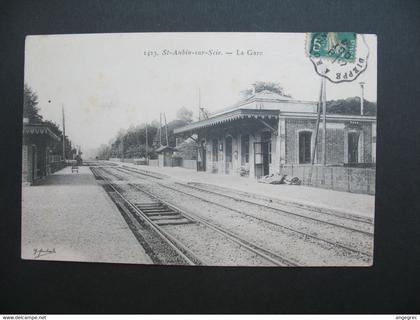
[
  {"x": 154, "y": 162},
  {"x": 357, "y": 180},
  {"x": 189, "y": 164}
]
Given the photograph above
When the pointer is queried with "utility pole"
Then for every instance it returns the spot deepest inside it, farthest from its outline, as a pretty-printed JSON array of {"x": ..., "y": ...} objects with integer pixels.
[
  {"x": 166, "y": 130},
  {"x": 199, "y": 104},
  {"x": 160, "y": 129},
  {"x": 362, "y": 97},
  {"x": 122, "y": 149},
  {"x": 64, "y": 134},
  {"x": 319, "y": 108},
  {"x": 324, "y": 120},
  {"x": 147, "y": 147}
]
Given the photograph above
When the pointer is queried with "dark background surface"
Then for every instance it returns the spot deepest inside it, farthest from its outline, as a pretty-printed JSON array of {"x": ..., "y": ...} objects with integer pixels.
[{"x": 392, "y": 285}]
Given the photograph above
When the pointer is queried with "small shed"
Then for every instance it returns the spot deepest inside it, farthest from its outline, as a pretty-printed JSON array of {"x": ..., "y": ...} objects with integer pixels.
[{"x": 165, "y": 154}]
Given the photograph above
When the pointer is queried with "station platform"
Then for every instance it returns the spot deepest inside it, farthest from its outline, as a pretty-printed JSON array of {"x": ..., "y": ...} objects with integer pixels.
[
  {"x": 69, "y": 217},
  {"x": 344, "y": 202}
]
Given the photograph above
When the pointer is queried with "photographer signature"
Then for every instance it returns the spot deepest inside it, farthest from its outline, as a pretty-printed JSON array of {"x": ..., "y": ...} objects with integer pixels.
[{"x": 42, "y": 252}]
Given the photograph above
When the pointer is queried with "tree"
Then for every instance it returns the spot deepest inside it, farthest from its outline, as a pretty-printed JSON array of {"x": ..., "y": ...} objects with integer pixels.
[
  {"x": 104, "y": 152},
  {"x": 132, "y": 143},
  {"x": 185, "y": 115},
  {"x": 187, "y": 150},
  {"x": 351, "y": 106},
  {"x": 268, "y": 86},
  {"x": 30, "y": 102}
]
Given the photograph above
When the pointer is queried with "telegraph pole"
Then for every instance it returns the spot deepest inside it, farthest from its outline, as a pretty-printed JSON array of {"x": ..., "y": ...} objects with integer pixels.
[
  {"x": 64, "y": 134},
  {"x": 199, "y": 104},
  {"x": 362, "y": 97},
  {"x": 147, "y": 147},
  {"x": 166, "y": 130},
  {"x": 160, "y": 129},
  {"x": 319, "y": 107},
  {"x": 324, "y": 120}
]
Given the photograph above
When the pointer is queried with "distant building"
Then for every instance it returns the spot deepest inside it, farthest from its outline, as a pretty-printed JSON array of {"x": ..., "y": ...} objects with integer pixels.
[
  {"x": 37, "y": 160},
  {"x": 267, "y": 131},
  {"x": 165, "y": 156}
]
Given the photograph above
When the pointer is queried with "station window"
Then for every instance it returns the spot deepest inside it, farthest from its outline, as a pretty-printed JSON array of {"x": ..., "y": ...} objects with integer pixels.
[
  {"x": 244, "y": 149},
  {"x": 305, "y": 146}
]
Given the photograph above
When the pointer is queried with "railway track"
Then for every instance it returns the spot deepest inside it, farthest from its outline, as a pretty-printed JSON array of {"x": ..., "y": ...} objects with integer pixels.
[
  {"x": 363, "y": 222},
  {"x": 158, "y": 213},
  {"x": 351, "y": 232},
  {"x": 309, "y": 239},
  {"x": 153, "y": 215}
]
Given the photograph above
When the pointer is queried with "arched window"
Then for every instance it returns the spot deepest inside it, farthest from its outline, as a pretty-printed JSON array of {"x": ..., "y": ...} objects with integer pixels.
[{"x": 305, "y": 146}]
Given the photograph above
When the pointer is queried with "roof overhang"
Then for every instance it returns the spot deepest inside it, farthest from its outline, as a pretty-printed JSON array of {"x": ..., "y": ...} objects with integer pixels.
[
  {"x": 230, "y": 116},
  {"x": 39, "y": 130}
]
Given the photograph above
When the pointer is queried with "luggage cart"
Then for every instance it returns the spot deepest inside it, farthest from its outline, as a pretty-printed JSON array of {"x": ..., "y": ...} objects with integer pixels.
[{"x": 74, "y": 167}]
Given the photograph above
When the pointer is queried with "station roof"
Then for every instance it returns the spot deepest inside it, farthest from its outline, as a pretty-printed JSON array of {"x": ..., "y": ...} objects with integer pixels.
[
  {"x": 270, "y": 100},
  {"x": 265, "y": 105},
  {"x": 229, "y": 116},
  {"x": 39, "y": 129}
]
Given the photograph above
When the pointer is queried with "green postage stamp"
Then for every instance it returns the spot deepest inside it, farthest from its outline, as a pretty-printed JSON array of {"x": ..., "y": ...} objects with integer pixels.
[{"x": 337, "y": 56}]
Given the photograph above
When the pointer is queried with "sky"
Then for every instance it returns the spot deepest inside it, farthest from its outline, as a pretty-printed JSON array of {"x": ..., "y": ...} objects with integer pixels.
[{"x": 109, "y": 82}]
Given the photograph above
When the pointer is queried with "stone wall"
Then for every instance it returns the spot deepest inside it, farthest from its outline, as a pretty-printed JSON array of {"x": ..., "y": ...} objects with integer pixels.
[{"x": 357, "y": 180}]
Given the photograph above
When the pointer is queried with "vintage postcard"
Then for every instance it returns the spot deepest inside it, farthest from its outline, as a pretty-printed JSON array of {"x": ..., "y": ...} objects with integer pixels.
[{"x": 214, "y": 149}]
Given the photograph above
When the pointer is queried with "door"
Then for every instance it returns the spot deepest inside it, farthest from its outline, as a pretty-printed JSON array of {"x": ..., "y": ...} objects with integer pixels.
[
  {"x": 215, "y": 155},
  {"x": 228, "y": 155},
  {"x": 266, "y": 152},
  {"x": 353, "y": 147},
  {"x": 261, "y": 158},
  {"x": 202, "y": 157}
]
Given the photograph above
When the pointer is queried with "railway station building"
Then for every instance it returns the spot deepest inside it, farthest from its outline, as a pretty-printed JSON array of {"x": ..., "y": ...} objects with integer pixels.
[
  {"x": 268, "y": 132},
  {"x": 37, "y": 159}
]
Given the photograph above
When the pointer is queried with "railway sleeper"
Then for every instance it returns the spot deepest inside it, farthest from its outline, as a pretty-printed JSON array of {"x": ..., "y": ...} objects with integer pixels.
[
  {"x": 173, "y": 222},
  {"x": 167, "y": 217},
  {"x": 146, "y": 205},
  {"x": 161, "y": 213},
  {"x": 162, "y": 209}
]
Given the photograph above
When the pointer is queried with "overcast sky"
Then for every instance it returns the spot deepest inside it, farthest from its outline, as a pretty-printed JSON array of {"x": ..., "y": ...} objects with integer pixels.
[{"x": 106, "y": 83}]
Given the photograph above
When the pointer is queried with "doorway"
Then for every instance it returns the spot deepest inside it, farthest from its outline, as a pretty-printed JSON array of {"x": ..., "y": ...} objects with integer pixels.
[
  {"x": 228, "y": 155},
  {"x": 353, "y": 147},
  {"x": 262, "y": 155},
  {"x": 202, "y": 156}
]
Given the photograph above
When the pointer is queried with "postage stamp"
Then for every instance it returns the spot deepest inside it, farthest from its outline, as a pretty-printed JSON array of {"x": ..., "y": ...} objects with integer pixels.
[{"x": 337, "y": 56}]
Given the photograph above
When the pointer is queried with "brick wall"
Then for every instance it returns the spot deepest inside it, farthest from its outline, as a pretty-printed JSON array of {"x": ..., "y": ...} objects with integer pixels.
[
  {"x": 335, "y": 142},
  {"x": 292, "y": 127}
]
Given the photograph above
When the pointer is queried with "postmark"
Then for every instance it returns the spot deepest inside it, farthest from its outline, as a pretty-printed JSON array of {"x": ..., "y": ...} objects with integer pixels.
[{"x": 337, "y": 56}]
